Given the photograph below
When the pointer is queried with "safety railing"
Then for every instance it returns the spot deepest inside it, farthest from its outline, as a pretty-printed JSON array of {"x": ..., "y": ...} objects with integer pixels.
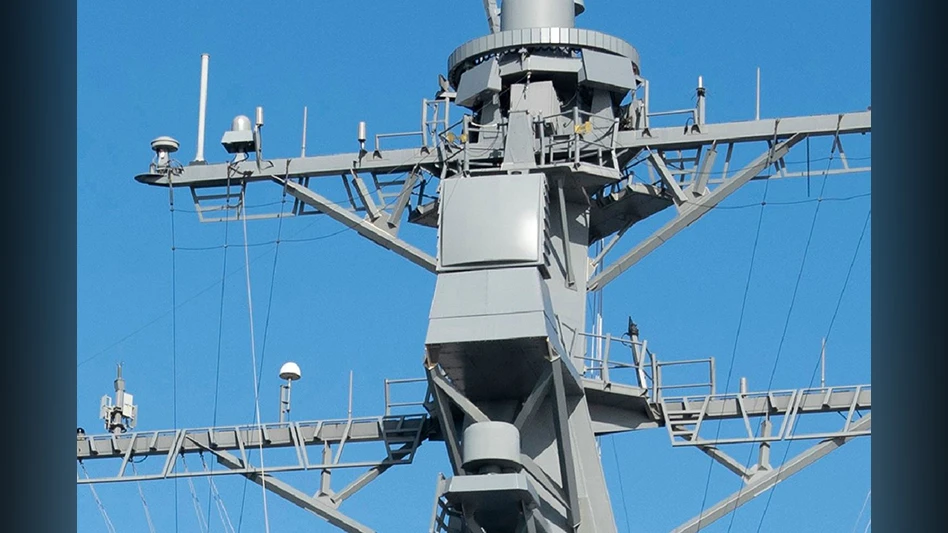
[
  {"x": 648, "y": 369},
  {"x": 389, "y": 404}
]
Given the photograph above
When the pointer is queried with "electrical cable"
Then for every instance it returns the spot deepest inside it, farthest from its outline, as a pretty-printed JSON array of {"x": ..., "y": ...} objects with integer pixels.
[{"x": 816, "y": 368}]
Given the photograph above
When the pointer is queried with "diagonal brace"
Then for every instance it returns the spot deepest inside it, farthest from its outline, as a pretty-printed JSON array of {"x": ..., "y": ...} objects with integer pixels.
[
  {"x": 691, "y": 213},
  {"x": 295, "y": 496},
  {"x": 533, "y": 401},
  {"x": 466, "y": 405},
  {"x": 362, "y": 227},
  {"x": 760, "y": 483},
  {"x": 565, "y": 445},
  {"x": 726, "y": 460},
  {"x": 677, "y": 194},
  {"x": 366, "y": 478},
  {"x": 448, "y": 428}
]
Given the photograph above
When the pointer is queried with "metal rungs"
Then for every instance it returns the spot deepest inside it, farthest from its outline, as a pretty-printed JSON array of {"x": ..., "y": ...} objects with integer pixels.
[{"x": 677, "y": 416}]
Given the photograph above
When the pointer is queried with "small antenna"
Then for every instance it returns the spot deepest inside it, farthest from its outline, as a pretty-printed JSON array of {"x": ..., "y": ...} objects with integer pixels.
[
  {"x": 823, "y": 364},
  {"x": 702, "y": 92},
  {"x": 757, "y": 108},
  {"x": 350, "y": 395},
  {"x": 258, "y": 142},
  {"x": 362, "y": 136},
  {"x": 202, "y": 110},
  {"x": 303, "y": 146},
  {"x": 120, "y": 416},
  {"x": 290, "y": 372}
]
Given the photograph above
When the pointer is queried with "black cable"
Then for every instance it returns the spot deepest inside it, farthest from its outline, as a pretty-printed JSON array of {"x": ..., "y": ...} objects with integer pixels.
[
  {"x": 174, "y": 342},
  {"x": 796, "y": 286},
  {"x": 737, "y": 336},
  {"x": 829, "y": 330},
  {"x": 625, "y": 507},
  {"x": 220, "y": 339},
  {"x": 266, "y": 325}
]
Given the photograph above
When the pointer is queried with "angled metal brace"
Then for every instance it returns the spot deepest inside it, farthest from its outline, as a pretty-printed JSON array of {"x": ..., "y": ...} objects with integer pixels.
[
  {"x": 533, "y": 401},
  {"x": 364, "y": 479},
  {"x": 565, "y": 445},
  {"x": 700, "y": 185},
  {"x": 543, "y": 479},
  {"x": 401, "y": 202},
  {"x": 296, "y": 497},
  {"x": 362, "y": 227},
  {"x": 726, "y": 460},
  {"x": 443, "y": 408},
  {"x": 493, "y": 20},
  {"x": 466, "y": 405},
  {"x": 677, "y": 194},
  {"x": 691, "y": 213},
  {"x": 764, "y": 480},
  {"x": 365, "y": 197},
  {"x": 564, "y": 222}
]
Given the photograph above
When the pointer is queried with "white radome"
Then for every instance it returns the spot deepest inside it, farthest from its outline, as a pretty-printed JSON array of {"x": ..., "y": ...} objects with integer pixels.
[{"x": 290, "y": 371}]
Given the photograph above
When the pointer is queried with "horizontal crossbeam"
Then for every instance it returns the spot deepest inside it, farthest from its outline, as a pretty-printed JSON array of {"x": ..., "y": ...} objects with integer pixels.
[
  {"x": 401, "y": 435},
  {"x": 760, "y": 483}
]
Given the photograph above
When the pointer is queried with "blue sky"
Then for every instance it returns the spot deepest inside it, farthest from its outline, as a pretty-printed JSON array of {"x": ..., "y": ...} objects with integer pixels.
[{"x": 341, "y": 303}]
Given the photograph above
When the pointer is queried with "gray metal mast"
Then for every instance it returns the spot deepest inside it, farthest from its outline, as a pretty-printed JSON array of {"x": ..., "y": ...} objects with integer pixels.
[{"x": 527, "y": 182}]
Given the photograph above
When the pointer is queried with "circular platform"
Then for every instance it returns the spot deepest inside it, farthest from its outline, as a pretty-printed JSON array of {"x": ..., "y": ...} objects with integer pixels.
[{"x": 470, "y": 53}]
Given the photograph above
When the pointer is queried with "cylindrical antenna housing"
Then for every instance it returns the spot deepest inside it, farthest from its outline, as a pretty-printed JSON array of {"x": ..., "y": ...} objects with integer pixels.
[
  {"x": 202, "y": 109},
  {"x": 702, "y": 92},
  {"x": 362, "y": 135},
  {"x": 518, "y": 14},
  {"x": 259, "y": 116},
  {"x": 757, "y": 99}
]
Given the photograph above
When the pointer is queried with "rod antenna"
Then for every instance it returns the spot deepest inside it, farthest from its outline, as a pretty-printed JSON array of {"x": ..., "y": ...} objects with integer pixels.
[{"x": 202, "y": 110}]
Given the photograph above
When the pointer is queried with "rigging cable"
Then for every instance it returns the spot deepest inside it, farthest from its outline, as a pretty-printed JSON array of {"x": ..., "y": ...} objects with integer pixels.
[
  {"x": 793, "y": 298},
  {"x": 141, "y": 495},
  {"x": 859, "y": 518},
  {"x": 174, "y": 333},
  {"x": 266, "y": 325},
  {"x": 737, "y": 333},
  {"x": 820, "y": 199},
  {"x": 209, "y": 287},
  {"x": 253, "y": 355},
  {"x": 277, "y": 242},
  {"x": 220, "y": 334},
  {"x": 806, "y": 251},
  {"x": 625, "y": 507},
  {"x": 839, "y": 301},
  {"x": 194, "y": 497},
  {"x": 276, "y": 254},
  {"x": 218, "y": 501},
  {"x": 98, "y": 502}
]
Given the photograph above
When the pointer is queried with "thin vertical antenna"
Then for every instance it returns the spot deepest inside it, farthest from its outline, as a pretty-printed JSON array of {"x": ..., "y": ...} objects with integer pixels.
[
  {"x": 202, "y": 110},
  {"x": 757, "y": 108},
  {"x": 303, "y": 148},
  {"x": 350, "y": 395},
  {"x": 823, "y": 364},
  {"x": 645, "y": 101},
  {"x": 701, "y": 92}
]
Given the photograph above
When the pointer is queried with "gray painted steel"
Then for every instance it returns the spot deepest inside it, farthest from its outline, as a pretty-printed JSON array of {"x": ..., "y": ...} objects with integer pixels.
[
  {"x": 519, "y": 14},
  {"x": 469, "y": 53},
  {"x": 537, "y": 173}
]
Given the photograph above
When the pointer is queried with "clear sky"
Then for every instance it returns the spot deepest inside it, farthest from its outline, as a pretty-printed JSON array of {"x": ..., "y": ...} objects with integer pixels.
[{"x": 341, "y": 303}]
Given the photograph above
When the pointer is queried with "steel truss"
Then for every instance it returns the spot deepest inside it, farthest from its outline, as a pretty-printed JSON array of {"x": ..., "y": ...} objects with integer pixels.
[{"x": 601, "y": 174}]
